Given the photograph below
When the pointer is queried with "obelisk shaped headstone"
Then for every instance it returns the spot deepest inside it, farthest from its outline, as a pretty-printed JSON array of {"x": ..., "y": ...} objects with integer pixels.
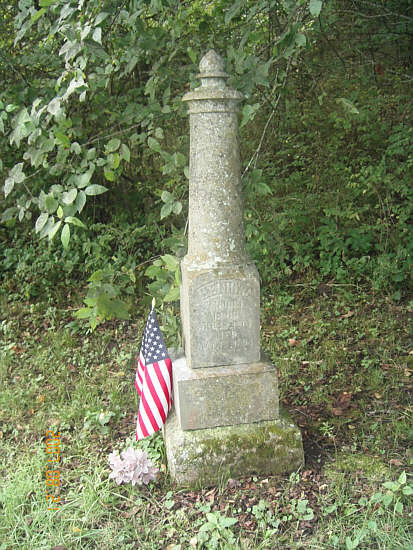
[
  {"x": 226, "y": 419},
  {"x": 220, "y": 294}
]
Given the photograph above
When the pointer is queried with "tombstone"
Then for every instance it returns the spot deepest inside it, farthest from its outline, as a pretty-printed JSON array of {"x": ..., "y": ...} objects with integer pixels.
[{"x": 226, "y": 419}]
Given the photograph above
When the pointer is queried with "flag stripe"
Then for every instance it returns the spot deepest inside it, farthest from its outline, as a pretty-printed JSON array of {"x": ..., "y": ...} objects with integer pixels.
[
  {"x": 144, "y": 421},
  {"x": 139, "y": 374},
  {"x": 162, "y": 375},
  {"x": 137, "y": 383},
  {"x": 149, "y": 412},
  {"x": 166, "y": 367},
  {"x": 166, "y": 371},
  {"x": 159, "y": 389},
  {"x": 153, "y": 380},
  {"x": 154, "y": 397},
  {"x": 142, "y": 428}
]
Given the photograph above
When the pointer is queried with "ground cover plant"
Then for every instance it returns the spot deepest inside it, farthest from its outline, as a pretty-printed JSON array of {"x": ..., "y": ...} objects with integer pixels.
[
  {"x": 344, "y": 365},
  {"x": 93, "y": 162}
]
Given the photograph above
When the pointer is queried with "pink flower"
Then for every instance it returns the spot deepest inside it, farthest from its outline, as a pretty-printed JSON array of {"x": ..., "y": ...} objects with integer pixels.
[
  {"x": 135, "y": 467},
  {"x": 117, "y": 466}
]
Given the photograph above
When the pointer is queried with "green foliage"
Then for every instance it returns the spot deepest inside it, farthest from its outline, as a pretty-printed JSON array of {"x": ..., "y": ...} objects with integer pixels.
[
  {"x": 82, "y": 385},
  {"x": 32, "y": 270},
  {"x": 102, "y": 301},
  {"x": 266, "y": 520},
  {"x": 166, "y": 272},
  {"x": 110, "y": 95},
  {"x": 374, "y": 508},
  {"x": 94, "y": 143},
  {"x": 216, "y": 531},
  {"x": 346, "y": 216},
  {"x": 96, "y": 422},
  {"x": 153, "y": 446},
  {"x": 396, "y": 495}
]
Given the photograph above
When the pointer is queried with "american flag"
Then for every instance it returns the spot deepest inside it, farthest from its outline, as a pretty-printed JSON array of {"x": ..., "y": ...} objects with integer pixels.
[{"x": 153, "y": 380}]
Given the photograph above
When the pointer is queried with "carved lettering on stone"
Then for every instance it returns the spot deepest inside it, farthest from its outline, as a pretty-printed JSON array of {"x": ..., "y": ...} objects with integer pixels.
[
  {"x": 220, "y": 296},
  {"x": 227, "y": 312}
]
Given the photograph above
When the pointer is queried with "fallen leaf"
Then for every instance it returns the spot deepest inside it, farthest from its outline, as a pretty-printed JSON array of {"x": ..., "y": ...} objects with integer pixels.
[
  {"x": 347, "y": 315},
  {"x": 193, "y": 542},
  {"x": 342, "y": 403},
  {"x": 233, "y": 483},
  {"x": 18, "y": 349},
  {"x": 378, "y": 395},
  {"x": 396, "y": 462},
  {"x": 344, "y": 399},
  {"x": 40, "y": 398},
  {"x": 130, "y": 513},
  {"x": 307, "y": 524},
  {"x": 211, "y": 495},
  {"x": 292, "y": 341}
]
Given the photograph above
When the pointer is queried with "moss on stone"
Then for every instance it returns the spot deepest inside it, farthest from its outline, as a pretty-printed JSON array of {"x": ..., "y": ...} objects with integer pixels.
[{"x": 201, "y": 456}]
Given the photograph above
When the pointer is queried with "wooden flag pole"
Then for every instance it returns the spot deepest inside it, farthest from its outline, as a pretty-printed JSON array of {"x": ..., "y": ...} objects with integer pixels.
[{"x": 153, "y": 302}]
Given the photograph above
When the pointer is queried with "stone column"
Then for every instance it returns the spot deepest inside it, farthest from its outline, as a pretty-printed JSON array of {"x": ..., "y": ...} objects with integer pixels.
[
  {"x": 220, "y": 294},
  {"x": 226, "y": 418}
]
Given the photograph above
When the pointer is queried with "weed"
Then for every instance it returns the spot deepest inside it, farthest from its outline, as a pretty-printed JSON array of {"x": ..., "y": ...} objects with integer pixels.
[{"x": 215, "y": 532}]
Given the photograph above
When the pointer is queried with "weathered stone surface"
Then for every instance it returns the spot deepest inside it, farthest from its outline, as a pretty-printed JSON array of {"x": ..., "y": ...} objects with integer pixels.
[
  {"x": 204, "y": 457},
  {"x": 220, "y": 311},
  {"x": 220, "y": 285},
  {"x": 216, "y": 229},
  {"x": 236, "y": 394},
  {"x": 225, "y": 421}
]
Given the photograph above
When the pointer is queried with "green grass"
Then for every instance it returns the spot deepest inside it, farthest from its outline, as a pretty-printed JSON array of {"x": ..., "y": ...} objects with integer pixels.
[{"x": 344, "y": 359}]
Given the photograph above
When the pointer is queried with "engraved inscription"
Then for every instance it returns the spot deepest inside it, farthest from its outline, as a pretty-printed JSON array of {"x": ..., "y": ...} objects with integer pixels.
[
  {"x": 223, "y": 288},
  {"x": 227, "y": 318}
]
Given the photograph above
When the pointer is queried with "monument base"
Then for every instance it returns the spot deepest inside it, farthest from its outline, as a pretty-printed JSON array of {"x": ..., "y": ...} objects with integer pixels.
[
  {"x": 223, "y": 396},
  {"x": 198, "y": 458}
]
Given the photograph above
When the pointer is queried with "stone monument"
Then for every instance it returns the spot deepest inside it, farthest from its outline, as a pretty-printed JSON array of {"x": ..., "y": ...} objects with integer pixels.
[{"x": 226, "y": 418}]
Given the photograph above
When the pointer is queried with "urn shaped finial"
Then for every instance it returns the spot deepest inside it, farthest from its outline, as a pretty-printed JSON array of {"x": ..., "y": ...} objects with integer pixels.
[
  {"x": 212, "y": 65},
  {"x": 212, "y": 72}
]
